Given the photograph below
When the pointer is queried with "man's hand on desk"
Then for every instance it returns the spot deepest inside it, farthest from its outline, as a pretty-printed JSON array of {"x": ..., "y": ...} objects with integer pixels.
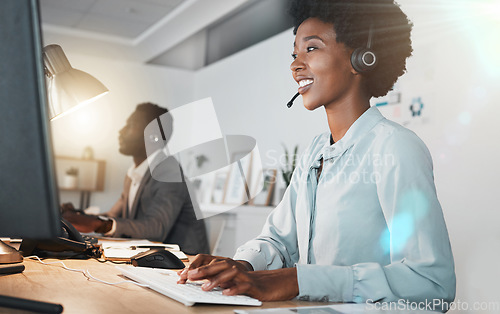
[
  {"x": 85, "y": 223},
  {"x": 69, "y": 207},
  {"x": 237, "y": 277}
]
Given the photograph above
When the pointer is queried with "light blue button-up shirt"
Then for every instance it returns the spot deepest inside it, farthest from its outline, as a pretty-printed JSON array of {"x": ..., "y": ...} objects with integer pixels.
[{"x": 371, "y": 227}]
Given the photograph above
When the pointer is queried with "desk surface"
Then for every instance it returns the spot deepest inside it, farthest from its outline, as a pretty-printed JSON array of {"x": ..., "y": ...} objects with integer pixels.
[{"x": 52, "y": 283}]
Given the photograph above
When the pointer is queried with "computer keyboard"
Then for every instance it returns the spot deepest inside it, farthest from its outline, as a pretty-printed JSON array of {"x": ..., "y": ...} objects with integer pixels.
[{"x": 164, "y": 281}]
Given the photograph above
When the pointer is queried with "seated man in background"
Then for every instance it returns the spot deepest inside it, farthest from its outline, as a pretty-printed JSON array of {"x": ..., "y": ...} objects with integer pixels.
[{"x": 148, "y": 208}]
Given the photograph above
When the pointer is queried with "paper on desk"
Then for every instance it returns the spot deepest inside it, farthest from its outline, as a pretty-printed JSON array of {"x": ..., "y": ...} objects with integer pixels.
[
  {"x": 135, "y": 243},
  {"x": 124, "y": 250},
  {"x": 124, "y": 254}
]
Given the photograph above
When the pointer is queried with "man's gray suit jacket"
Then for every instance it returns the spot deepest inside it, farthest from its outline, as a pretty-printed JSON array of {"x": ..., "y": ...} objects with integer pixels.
[{"x": 162, "y": 211}]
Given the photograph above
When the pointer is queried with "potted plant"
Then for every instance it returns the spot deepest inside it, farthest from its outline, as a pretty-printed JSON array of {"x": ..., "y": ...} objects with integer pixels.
[{"x": 71, "y": 178}]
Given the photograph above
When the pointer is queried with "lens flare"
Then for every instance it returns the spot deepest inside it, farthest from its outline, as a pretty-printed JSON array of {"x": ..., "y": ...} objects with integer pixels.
[
  {"x": 480, "y": 21},
  {"x": 413, "y": 206}
]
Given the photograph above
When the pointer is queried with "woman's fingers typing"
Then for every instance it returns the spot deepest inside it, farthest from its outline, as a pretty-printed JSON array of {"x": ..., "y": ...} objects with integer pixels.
[
  {"x": 219, "y": 271},
  {"x": 224, "y": 277},
  {"x": 199, "y": 260}
]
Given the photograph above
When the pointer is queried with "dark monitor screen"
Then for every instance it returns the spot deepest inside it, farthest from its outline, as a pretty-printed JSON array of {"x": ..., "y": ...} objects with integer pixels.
[{"x": 29, "y": 206}]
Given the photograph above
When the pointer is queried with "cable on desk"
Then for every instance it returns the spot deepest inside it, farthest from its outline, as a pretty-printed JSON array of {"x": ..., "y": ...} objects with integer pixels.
[
  {"x": 114, "y": 262},
  {"x": 102, "y": 261},
  {"x": 119, "y": 262},
  {"x": 86, "y": 273}
]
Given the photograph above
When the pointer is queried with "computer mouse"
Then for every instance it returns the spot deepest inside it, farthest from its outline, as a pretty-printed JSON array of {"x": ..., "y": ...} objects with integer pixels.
[{"x": 157, "y": 258}]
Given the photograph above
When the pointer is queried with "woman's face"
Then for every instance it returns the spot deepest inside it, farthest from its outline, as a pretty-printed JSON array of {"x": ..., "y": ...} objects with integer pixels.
[{"x": 321, "y": 66}]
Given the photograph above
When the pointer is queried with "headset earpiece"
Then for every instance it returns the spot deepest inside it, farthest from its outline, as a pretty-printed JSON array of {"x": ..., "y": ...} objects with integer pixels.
[{"x": 364, "y": 59}]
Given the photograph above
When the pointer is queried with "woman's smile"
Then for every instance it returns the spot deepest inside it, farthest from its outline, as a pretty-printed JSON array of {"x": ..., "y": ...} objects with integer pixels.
[{"x": 304, "y": 85}]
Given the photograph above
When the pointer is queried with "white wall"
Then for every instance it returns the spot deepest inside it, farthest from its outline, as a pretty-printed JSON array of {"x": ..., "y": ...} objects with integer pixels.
[{"x": 455, "y": 67}]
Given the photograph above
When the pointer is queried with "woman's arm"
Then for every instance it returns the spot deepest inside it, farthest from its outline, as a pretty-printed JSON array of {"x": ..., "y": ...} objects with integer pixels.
[
  {"x": 273, "y": 249},
  {"x": 247, "y": 273},
  {"x": 277, "y": 246},
  {"x": 262, "y": 265}
]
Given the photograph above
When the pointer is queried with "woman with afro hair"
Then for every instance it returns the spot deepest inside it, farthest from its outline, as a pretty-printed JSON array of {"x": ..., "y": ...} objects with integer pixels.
[{"x": 360, "y": 221}]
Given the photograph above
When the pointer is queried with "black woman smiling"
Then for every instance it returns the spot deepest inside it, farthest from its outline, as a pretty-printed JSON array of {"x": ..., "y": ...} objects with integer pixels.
[{"x": 360, "y": 221}]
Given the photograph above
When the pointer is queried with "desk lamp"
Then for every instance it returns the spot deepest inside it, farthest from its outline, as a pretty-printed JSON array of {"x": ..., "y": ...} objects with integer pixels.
[{"x": 67, "y": 87}]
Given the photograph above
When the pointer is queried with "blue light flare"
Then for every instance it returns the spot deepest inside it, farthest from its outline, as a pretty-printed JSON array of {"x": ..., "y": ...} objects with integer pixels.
[{"x": 413, "y": 206}]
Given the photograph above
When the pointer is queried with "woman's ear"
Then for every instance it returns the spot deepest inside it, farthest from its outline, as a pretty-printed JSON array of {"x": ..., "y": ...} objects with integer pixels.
[{"x": 349, "y": 52}]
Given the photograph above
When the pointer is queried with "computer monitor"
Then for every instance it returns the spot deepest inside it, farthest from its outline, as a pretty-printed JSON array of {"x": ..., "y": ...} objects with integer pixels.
[{"x": 29, "y": 205}]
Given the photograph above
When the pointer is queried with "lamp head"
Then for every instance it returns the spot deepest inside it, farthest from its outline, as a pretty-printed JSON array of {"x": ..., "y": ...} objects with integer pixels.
[{"x": 68, "y": 88}]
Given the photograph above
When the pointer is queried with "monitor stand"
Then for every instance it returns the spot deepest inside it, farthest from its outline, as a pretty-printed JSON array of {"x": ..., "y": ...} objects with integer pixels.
[{"x": 8, "y": 254}]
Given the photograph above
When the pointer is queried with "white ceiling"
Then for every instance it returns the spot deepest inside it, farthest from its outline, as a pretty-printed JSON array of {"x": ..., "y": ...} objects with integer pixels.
[
  {"x": 123, "y": 18},
  {"x": 135, "y": 30}
]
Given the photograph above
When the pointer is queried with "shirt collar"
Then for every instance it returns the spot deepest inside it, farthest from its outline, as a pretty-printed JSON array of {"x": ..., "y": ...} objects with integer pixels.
[
  {"x": 137, "y": 173},
  {"x": 356, "y": 131}
]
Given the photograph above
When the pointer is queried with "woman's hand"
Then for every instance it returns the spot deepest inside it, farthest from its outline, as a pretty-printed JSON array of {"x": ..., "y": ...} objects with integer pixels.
[
  {"x": 235, "y": 278},
  {"x": 205, "y": 259}
]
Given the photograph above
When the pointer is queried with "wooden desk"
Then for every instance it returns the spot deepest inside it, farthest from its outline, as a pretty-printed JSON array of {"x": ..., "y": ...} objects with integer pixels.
[{"x": 52, "y": 283}]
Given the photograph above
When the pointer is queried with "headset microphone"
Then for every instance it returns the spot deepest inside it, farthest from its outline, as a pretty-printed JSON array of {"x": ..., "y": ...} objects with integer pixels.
[{"x": 290, "y": 103}]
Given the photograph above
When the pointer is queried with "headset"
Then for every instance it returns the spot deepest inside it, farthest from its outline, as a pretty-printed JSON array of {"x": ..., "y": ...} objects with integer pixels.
[{"x": 363, "y": 59}]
